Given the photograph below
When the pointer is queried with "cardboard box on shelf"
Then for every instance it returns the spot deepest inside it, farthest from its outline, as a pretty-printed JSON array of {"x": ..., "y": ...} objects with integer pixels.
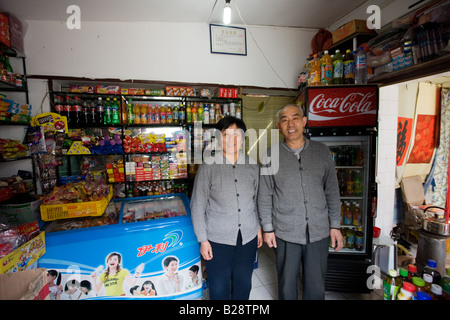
[
  {"x": 20, "y": 212},
  {"x": 25, "y": 285},
  {"x": 351, "y": 28}
]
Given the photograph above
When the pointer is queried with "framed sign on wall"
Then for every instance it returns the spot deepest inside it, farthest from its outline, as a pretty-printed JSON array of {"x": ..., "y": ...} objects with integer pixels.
[{"x": 228, "y": 40}]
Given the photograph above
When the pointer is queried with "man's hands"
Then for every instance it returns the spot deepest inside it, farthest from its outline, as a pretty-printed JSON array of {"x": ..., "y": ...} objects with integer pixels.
[
  {"x": 270, "y": 239},
  {"x": 337, "y": 241}
]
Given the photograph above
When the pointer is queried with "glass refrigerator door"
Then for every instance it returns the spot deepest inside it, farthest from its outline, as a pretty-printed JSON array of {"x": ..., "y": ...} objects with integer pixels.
[{"x": 351, "y": 156}]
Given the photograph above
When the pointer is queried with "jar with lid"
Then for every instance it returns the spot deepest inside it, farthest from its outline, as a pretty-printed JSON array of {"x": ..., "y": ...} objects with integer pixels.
[
  {"x": 406, "y": 291},
  {"x": 436, "y": 292},
  {"x": 419, "y": 283}
]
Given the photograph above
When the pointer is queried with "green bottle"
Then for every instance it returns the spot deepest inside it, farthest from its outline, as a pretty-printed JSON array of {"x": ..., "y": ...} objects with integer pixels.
[{"x": 130, "y": 112}]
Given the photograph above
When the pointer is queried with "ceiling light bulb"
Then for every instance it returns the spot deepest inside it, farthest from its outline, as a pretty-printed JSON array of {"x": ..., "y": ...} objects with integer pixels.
[{"x": 227, "y": 12}]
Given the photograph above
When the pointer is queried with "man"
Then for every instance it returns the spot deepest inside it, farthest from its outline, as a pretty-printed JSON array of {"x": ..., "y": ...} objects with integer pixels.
[{"x": 299, "y": 207}]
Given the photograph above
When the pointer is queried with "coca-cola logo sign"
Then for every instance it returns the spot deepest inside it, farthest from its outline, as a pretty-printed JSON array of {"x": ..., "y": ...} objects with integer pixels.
[{"x": 342, "y": 106}]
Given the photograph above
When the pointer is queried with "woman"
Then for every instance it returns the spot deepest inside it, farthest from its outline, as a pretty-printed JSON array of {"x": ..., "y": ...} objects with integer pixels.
[
  {"x": 223, "y": 211},
  {"x": 171, "y": 282}
]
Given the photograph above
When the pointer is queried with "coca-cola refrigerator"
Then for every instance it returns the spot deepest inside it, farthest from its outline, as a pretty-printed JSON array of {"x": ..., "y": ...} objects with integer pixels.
[{"x": 344, "y": 117}]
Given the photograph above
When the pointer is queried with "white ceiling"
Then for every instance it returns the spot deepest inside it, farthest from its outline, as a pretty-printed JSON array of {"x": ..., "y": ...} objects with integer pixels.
[{"x": 283, "y": 13}]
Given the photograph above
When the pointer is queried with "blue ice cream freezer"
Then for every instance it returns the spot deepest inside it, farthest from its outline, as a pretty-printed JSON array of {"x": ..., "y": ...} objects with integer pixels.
[{"x": 141, "y": 248}]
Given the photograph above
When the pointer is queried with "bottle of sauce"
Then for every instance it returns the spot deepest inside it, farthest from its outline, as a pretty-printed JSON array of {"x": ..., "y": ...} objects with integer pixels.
[
  {"x": 391, "y": 285},
  {"x": 432, "y": 271},
  {"x": 419, "y": 283},
  {"x": 412, "y": 272},
  {"x": 428, "y": 282},
  {"x": 406, "y": 291},
  {"x": 436, "y": 292}
]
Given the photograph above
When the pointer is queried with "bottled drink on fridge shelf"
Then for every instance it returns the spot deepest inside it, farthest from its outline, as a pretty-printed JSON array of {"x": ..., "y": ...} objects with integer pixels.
[
  {"x": 144, "y": 118},
  {"x": 359, "y": 240},
  {"x": 315, "y": 71},
  {"x": 107, "y": 118},
  {"x": 350, "y": 184},
  {"x": 163, "y": 114},
  {"x": 233, "y": 109},
  {"x": 195, "y": 112},
  {"x": 176, "y": 114},
  {"x": 350, "y": 238},
  {"x": 349, "y": 67},
  {"x": 130, "y": 112},
  {"x": 157, "y": 114},
  {"x": 212, "y": 114},
  {"x": 100, "y": 112},
  {"x": 358, "y": 183},
  {"x": 137, "y": 113},
  {"x": 150, "y": 114},
  {"x": 357, "y": 219},
  {"x": 348, "y": 216},
  {"x": 361, "y": 67},
  {"x": 218, "y": 113},
  {"x": 206, "y": 114},
  {"x": 182, "y": 113},
  {"x": 338, "y": 68},
  {"x": 76, "y": 116},
  {"x": 85, "y": 119},
  {"x": 326, "y": 69},
  {"x": 67, "y": 110},
  {"x": 189, "y": 113},
  {"x": 238, "y": 112},
  {"x": 92, "y": 113},
  {"x": 302, "y": 78},
  {"x": 115, "y": 118},
  {"x": 431, "y": 269},
  {"x": 200, "y": 112},
  {"x": 169, "y": 114},
  {"x": 391, "y": 285}
]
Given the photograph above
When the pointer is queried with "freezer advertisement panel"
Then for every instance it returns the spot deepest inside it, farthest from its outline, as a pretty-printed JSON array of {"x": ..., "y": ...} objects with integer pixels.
[
  {"x": 153, "y": 259},
  {"x": 345, "y": 106}
]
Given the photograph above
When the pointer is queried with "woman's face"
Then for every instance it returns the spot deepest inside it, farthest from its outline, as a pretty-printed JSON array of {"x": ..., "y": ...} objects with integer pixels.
[
  {"x": 173, "y": 266},
  {"x": 231, "y": 139},
  {"x": 113, "y": 262}
]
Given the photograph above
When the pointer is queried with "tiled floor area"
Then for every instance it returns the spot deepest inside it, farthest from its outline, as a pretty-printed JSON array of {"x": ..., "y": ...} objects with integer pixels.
[{"x": 264, "y": 281}]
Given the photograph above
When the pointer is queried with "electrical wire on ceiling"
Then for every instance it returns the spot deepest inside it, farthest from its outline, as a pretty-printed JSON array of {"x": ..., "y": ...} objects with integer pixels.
[{"x": 259, "y": 48}]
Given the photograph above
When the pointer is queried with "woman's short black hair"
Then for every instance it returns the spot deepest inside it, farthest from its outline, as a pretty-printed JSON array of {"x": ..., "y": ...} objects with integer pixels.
[{"x": 228, "y": 121}]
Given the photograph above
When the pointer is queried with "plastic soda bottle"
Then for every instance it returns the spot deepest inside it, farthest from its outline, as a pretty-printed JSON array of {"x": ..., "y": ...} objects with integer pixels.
[
  {"x": 338, "y": 68},
  {"x": 130, "y": 112},
  {"x": 361, "y": 67},
  {"x": 144, "y": 119},
  {"x": 137, "y": 114},
  {"x": 115, "y": 118},
  {"x": 169, "y": 114},
  {"x": 315, "y": 71},
  {"x": 194, "y": 112},
  {"x": 175, "y": 114},
  {"x": 182, "y": 113},
  {"x": 149, "y": 113},
  {"x": 157, "y": 114},
  {"x": 358, "y": 183},
  {"x": 359, "y": 239},
  {"x": 206, "y": 114},
  {"x": 350, "y": 238},
  {"x": 107, "y": 119},
  {"x": 326, "y": 69},
  {"x": 391, "y": 285},
  {"x": 432, "y": 271},
  {"x": 349, "y": 67},
  {"x": 163, "y": 114},
  {"x": 188, "y": 113},
  {"x": 200, "y": 112}
]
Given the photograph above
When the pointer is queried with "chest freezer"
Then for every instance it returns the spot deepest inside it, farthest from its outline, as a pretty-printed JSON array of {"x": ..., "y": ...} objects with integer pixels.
[{"x": 141, "y": 248}]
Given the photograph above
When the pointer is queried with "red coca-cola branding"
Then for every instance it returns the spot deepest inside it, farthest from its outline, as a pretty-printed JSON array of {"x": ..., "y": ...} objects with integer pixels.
[{"x": 342, "y": 106}]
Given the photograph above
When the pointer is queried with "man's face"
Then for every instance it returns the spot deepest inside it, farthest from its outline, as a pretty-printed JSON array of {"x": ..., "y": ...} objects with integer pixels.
[{"x": 291, "y": 123}]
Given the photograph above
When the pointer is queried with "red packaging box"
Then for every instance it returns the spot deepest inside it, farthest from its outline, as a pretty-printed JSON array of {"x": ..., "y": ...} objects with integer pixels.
[{"x": 4, "y": 30}]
